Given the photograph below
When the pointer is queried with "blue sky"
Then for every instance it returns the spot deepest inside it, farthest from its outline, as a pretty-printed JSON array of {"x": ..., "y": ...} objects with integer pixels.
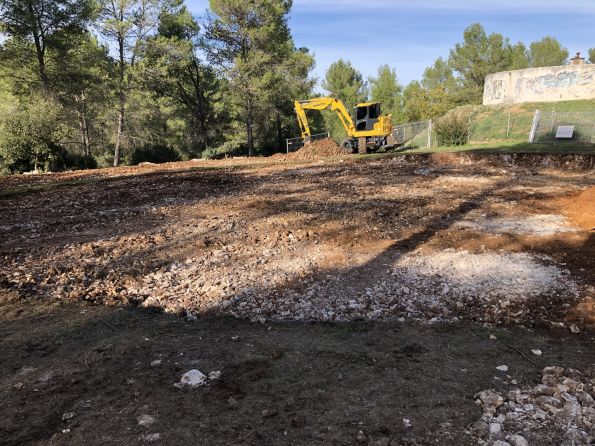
[{"x": 410, "y": 35}]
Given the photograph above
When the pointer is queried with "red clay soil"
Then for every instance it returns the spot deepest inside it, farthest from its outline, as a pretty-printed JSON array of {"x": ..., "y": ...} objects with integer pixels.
[
  {"x": 318, "y": 149},
  {"x": 581, "y": 208}
]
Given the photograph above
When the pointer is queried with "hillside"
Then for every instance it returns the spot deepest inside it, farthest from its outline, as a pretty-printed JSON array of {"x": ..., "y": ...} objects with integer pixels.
[
  {"x": 505, "y": 128},
  {"x": 490, "y": 123}
]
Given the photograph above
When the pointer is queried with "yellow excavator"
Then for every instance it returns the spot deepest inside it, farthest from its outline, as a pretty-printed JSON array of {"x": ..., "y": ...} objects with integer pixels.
[{"x": 368, "y": 131}]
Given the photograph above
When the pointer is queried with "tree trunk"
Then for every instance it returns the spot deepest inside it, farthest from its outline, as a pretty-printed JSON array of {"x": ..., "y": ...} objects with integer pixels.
[
  {"x": 40, "y": 51},
  {"x": 122, "y": 100},
  {"x": 84, "y": 125},
  {"x": 279, "y": 130},
  {"x": 249, "y": 129}
]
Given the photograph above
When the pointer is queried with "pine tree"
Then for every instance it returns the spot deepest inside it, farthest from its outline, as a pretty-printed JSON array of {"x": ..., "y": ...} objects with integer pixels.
[
  {"x": 250, "y": 42},
  {"x": 43, "y": 23},
  {"x": 126, "y": 23},
  {"x": 480, "y": 54},
  {"x": 385, "y": 88},
  {"x": 547, "y": 52}
]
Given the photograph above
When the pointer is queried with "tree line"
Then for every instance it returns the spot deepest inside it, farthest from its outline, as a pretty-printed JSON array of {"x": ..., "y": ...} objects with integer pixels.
[
  {"x": 449, "y": 82},
  {"x": 104, "y": 82}
]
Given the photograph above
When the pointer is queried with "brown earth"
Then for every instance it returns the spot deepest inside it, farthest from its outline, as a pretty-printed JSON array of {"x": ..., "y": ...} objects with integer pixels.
[
  {"x": 89, "y": 262},
  {"x": 581, "y": 208},
  {"x": 318, "y": 149}
]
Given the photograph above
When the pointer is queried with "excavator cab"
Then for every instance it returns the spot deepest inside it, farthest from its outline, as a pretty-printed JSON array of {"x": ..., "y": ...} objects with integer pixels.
[{"x": 366, "y": 116}]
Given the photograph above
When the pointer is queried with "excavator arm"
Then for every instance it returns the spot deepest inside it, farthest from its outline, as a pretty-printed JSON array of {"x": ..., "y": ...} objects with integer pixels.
[{"x": 323, "y": 104}]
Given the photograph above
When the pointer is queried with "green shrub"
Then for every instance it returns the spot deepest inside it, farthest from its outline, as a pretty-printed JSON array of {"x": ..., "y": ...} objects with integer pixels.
[
  {"x": 31, "y": 136},
  {"x": 227, "y": 149},
  {"x": 65, "y": 160},
  {"x": 452, "y": 130},
  {"x": 106, "y": 159},
  {"x": 154, "y": 153}
]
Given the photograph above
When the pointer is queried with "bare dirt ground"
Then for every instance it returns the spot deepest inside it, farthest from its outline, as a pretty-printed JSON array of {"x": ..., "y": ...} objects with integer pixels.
[{"x": 338, "y": 297}]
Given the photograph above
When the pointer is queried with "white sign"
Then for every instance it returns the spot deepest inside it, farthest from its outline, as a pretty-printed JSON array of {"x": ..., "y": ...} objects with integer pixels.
[{"x": 565, "y": 132}]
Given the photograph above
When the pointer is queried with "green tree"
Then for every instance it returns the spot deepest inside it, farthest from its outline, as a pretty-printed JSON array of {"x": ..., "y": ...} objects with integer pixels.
[
  {"x": 344, "y": 82},
  {"x": 592, "y": 55},
  {"x": 292, "y": 82},
  {"x": 547, "y": 52},
  {"x": 421, "y": 104},
  {"x": 519, "y": 58},
  {"x": 171, "y": 69},
  {"x": 126, "y": 23},
  {"x": 82, "y": 83},
  {"x": 385, "y": 88},
  {"x": 40, "y": 24},
  {"x": 250, "y": 42},
  {"x": 31, "y": 135},
  {"x": 439, "y": 74},
  {"x": 480, "y": 54}
]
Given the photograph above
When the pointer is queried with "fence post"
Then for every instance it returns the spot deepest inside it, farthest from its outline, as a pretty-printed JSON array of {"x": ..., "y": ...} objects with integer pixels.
[
  {"x": 430, "y": 134},
  {"x": 508, "y": 126},
  {"x": 534, "y": 126}
]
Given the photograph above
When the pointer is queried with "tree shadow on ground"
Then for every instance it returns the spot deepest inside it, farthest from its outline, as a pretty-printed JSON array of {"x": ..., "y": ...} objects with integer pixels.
[
  {"x": 341, "y": 378},
  {"x": 325, "y": 381}
]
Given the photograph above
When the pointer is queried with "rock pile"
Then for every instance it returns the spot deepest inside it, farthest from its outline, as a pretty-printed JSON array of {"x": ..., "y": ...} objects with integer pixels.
[
  {"x": 318, "y": 149},
  {"x": 559, "y": 411}
]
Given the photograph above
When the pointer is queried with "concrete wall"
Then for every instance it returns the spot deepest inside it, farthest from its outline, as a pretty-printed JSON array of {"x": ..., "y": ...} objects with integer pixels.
[{"x": 547, "y": 84}]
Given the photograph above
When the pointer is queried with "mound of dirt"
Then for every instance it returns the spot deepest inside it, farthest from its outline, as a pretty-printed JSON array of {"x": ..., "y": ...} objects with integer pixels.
[
  {"x": 581, "y": 208},
  {"x": 318, "y": 149}
]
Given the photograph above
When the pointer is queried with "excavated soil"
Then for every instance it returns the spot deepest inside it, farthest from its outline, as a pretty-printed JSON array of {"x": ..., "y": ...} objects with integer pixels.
[
  {"x": 318, "y": 149},
  {"x": 581, "y": 208},
  {"x": 335, "y": 297}
]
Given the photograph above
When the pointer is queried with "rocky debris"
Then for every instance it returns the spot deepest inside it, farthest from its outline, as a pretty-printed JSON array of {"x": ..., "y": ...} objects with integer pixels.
[
  {"x": 232, "y": 403},
  {"x": 193, "y": 378},
  {"x": 361, "y": 438},
  {"x": 298, "y": 421},
  {"x": 66, "y": 416},
  {"x": 540, "y": 225},
  {"x": 282, "y": 246},
  {"x": 269, "y": 413},
  {"x": 145, "y": 420},
  {"x": 537, "y": 352},
  {"x": 149, "y": 438},
  {"x": 384, "y": 441},
  {"x": 502, "y": 368},
  {"x": 318, "y": 149},
  {"x": 156, "y": 363},
  {"x": 215, "y": 374},
  {"x": 561, "y": 410}
]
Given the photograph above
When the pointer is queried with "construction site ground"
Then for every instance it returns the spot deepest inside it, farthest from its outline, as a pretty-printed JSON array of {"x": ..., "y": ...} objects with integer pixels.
[{"x": 344, "y": 301}]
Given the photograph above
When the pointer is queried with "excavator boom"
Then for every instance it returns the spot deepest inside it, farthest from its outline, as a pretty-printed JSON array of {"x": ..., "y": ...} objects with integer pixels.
[{"x": 323, "y": 104}]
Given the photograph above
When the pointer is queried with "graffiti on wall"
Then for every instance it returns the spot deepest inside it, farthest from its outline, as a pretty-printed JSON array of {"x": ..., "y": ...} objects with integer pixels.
[
  {"x": 562, "y": 80},
  {"x": 495, "y": 90}
]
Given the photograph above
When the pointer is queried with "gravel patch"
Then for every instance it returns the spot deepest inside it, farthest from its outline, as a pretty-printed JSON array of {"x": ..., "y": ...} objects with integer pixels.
[
  {"x": 449, "y": 285},
  {"x": 540, "y": 225}
]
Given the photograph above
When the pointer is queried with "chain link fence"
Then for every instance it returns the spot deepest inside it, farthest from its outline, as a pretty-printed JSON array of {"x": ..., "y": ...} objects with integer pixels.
[
  {"x": 574, "y": 127},
  {"x": 414, "y": 135},
  {"x": 295, "y": 144}
]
